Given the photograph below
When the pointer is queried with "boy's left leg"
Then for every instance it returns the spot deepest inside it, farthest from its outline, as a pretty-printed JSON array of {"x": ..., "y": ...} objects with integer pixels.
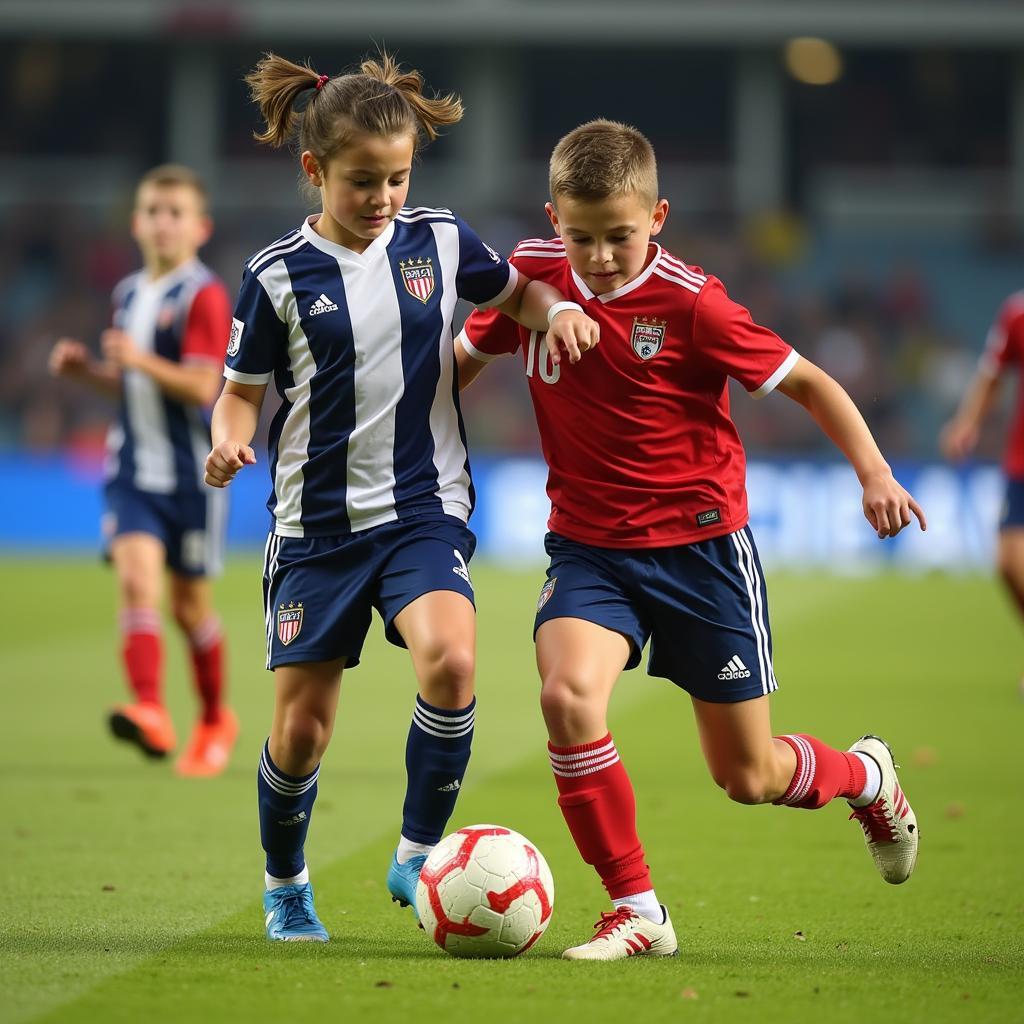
[
  {"x": 798, "y": 770},
  {"x": 439, "y": 629},
  {"x": 214, "y": 735}
]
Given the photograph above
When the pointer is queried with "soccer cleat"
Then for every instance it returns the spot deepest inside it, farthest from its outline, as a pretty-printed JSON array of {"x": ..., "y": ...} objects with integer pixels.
[
  {"x": 402, "y": 881},
  {"x": 622, "y": 933},
  {"x": 209, "y": 748},
  {"x": 147, "y": 725},
  {"x": 889, "y": 824},
  {"x": 291, "y": 916}
]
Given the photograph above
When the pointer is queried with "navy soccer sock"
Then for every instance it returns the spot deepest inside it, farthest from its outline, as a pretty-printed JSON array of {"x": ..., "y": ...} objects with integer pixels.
[
  {"x": 436, "y": 756},
  {"x": 286, "y": 803}
]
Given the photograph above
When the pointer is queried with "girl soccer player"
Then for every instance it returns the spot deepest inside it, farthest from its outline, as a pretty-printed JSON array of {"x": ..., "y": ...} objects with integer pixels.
[
  {"x": 351, "y": 315},
  {"x": 161, "y": 361}
]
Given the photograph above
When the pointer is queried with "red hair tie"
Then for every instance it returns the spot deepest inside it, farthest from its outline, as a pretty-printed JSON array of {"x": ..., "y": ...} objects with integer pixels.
[{"x": 321, "y": 81}]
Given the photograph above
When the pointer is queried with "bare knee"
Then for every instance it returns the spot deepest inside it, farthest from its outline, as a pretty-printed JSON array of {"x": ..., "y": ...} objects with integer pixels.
[
  {"x": 188, "y": 612},
  {"x": 447, "y": 675},
  {"x": 565, "y": 704},
  {"x": 138, "y": 589},
  {"x": 745, "y": 784},
  {"x": 302, "y": 737}
]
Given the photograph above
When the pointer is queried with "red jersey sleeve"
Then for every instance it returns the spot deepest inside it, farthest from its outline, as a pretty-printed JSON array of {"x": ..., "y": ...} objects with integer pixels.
[
  {"x": 728, "y": 339},
  {"x": 488, "y": 333},
  {"x": 207, "y": 326},
  {"x": 1005, "y": 344}
]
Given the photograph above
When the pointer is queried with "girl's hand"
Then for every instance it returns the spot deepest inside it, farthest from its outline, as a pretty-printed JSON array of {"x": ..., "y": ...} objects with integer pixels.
[
  {"x": 887, "y": 506},
  {"x": 224, "y": 462},
  {"x": 572, "y": 331}
]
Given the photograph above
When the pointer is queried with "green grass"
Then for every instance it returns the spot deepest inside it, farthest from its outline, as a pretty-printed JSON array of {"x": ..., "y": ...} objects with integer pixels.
[{"x": 127, "y": 894}]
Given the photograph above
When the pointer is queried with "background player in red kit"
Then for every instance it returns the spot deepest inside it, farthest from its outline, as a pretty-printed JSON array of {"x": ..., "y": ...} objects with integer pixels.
[
  {"x": 162, "y": 361},
  {"x": 1004, "y": 351},
  {"x": 648, "y": 530}
]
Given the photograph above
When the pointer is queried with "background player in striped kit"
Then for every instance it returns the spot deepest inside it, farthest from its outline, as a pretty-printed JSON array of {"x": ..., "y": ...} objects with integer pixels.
[
  {"x": 649, "y": 535},
  {"x": 161, "y": 361},
  {"x": 1004, "y": 351},
  {"x": 351, "y": 315}
]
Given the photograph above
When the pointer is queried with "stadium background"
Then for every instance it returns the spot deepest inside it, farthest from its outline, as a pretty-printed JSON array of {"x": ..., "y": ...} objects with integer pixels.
[
  {"x": 864, "y": 196},
  {"x": 876, "y": 220}
]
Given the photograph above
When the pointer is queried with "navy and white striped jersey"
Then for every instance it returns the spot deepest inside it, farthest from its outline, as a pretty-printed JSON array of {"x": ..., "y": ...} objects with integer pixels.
[
  {"x": 360, "y": 348},
  {"x": 159, "y": 444}
]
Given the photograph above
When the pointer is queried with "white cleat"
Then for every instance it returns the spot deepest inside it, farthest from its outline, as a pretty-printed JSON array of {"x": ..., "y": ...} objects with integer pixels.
[
  {"x": 623, "y": 933},
  {"x": 889, "y": 824}
]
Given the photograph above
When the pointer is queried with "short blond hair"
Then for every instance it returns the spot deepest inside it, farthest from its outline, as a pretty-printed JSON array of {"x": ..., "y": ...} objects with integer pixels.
[
  {"x": 170, "y": 175},
  {"x": 601, "y": 159}
]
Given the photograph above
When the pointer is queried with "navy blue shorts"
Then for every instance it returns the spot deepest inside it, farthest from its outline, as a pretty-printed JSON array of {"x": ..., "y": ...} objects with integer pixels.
[
  {"x": 319, "y": 592},
  {"x": 190, "y": 526},
  {"x": 1011, "y": 516},
  {"x": 703, "y": 606}
]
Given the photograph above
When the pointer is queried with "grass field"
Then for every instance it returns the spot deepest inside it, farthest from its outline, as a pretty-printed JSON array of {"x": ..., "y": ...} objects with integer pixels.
[{"x": 127, "y": 894}]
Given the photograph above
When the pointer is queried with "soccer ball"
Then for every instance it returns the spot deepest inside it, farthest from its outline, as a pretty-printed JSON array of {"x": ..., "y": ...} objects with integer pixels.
[{"x": 485, "y": 891}]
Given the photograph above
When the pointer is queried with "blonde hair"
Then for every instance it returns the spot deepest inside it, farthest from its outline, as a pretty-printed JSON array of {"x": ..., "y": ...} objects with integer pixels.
[
  {"x": 169, "y": 175},
  {"x": 379, "y": 99},
  {"x": 601, "y": 159}
]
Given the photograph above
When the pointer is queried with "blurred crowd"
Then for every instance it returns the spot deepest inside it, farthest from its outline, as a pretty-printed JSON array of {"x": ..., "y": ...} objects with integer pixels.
[{"x": 884, "y": 338}]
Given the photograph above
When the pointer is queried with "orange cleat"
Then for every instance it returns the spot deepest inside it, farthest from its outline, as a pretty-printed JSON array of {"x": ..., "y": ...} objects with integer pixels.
[
  {"x": 146, "y": 725},
  {"x": 209, "y": 748}
]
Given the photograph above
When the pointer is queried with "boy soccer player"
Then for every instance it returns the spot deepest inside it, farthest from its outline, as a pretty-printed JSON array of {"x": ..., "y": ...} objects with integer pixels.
[
  {"x": 648, "y": 530},
  {"x": 162, "y": 362},
  {"x": 1004, "y": 351}
]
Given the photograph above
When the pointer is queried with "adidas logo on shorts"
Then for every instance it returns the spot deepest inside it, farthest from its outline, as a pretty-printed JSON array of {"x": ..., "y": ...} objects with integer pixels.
[{"x": 734, "y": 670}]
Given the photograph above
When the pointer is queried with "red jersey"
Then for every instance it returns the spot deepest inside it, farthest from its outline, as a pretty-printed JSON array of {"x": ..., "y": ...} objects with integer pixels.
[
  {"x": 640, "y": 447},
  {"x": 1005, "y": 348}
]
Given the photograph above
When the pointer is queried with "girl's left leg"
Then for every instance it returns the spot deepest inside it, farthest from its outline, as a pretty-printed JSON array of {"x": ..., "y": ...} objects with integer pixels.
[
  {"x": 755, "y": 767},
  {"x": 439, "y": 628}
]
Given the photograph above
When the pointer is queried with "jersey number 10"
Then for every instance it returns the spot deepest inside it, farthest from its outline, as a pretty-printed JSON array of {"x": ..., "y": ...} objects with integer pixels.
[{"x": 549, "y": 372}]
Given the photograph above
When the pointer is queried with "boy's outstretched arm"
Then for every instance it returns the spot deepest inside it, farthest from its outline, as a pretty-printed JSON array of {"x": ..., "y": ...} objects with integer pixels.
[
  {"x": 960, "y": 434},
  {"x": 887, "y": 506}
]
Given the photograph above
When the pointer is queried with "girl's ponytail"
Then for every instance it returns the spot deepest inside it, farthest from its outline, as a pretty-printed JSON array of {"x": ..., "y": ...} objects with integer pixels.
[
  {"x": 275, "y": 84},
  {"x": 431, "y": 112}
]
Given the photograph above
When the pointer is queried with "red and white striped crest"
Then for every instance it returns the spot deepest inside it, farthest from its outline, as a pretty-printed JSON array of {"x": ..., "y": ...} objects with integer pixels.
[
  {"x": 418, "y": 275},
  {"x": 289, "y": 623},
  {"x": 648, "y": 336}
]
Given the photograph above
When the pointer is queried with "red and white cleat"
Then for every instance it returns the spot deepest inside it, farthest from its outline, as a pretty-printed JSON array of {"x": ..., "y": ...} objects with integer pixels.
[
  {"x": 623, "y": 933},
  {"x": 146, "y": 725},
  {"x": 889, "y": 824},
  {"x": 210, "y": 747}
]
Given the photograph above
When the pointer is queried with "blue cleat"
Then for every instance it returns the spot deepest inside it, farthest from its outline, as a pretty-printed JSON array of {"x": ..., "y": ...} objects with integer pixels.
[
  {"x": 402, "y": 880},
  {"x": 291, "y": 916}
]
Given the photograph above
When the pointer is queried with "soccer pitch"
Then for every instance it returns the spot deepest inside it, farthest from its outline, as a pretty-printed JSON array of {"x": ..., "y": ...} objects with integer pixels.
[{"x": 130, "y": 894}]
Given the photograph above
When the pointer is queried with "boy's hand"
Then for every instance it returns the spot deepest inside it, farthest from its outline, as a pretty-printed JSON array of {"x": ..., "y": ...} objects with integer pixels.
[
  {"x": 572, "y": 331},
  {"x": 224, "y": 462},
  {"x": 958, "y": 439},
  {"x": 119, "y": 348},
  {"x": 69, "y": 358},
  {"x": 887, "y": 506}
]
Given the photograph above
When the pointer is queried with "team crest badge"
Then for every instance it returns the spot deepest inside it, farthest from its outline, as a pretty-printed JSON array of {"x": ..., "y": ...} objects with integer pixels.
[
  {"x": 289, "y": 622},
  {"x": 546, "y": 591},
  {"x": 648, "y": 336},
  {"x": 418, "y": 275}
]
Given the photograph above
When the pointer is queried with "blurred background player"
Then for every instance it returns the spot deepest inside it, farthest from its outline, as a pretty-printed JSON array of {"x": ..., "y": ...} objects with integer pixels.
[
  {"x": 162, "y": 362},
  {"x": 351, "y": 315},
  {"x": 1004, "y": 351},
  {"x": 648, "y": 531}
]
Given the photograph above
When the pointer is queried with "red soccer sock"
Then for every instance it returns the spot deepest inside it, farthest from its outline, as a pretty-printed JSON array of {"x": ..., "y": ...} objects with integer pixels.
[
  {"x": 142, "y": 652},
  {"x": 207, "y": 649},
  {"x": 597, "y": 802},
  {"x": 822, "y": 774}
]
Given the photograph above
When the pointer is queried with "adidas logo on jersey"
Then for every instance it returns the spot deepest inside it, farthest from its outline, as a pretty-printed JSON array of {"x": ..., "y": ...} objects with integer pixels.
[
  {"x": 322, "y": 305},
  {"x": 296, "y": 819},
  {"x": 452, "y": 787},
  {"x": 734, "y": 670}
]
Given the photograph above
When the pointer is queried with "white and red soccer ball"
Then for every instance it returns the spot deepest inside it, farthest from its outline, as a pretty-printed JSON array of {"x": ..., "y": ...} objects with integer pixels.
[{"x": 485, "y": 891}]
